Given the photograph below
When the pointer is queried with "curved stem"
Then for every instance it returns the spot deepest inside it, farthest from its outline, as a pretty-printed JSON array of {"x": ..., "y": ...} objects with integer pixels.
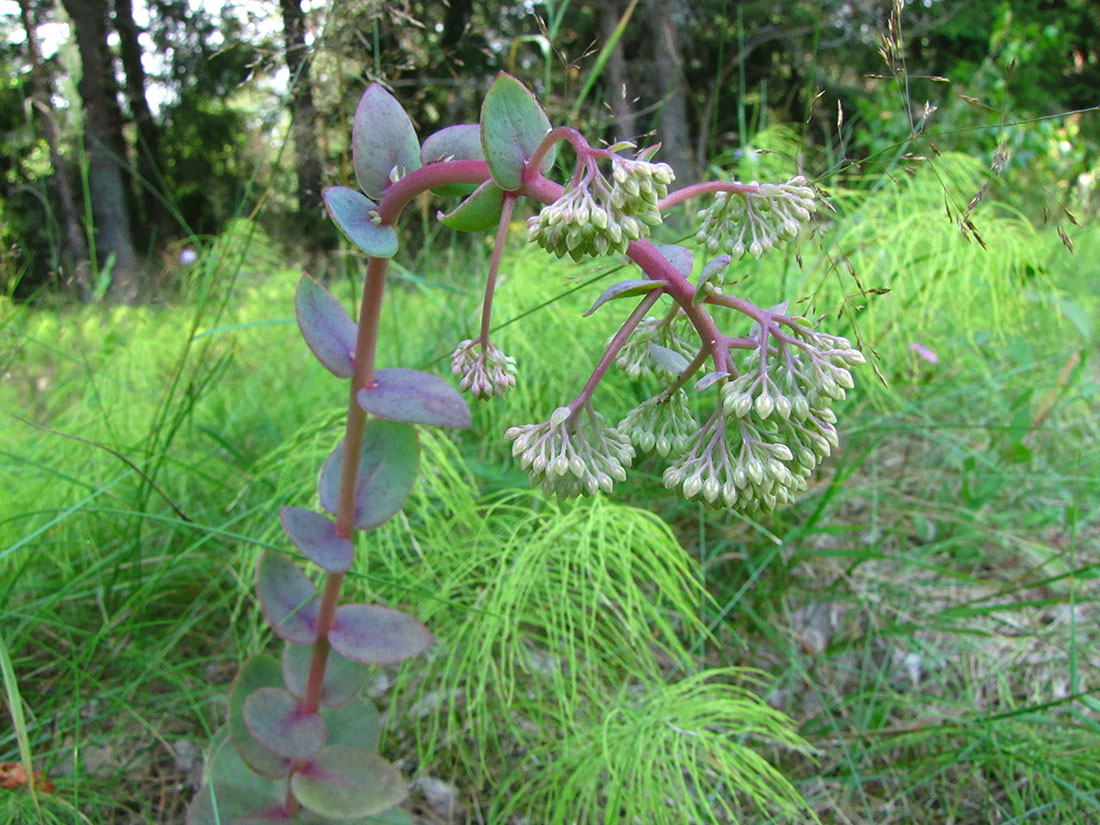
[
  {"x": 494, "y": 265},
  {"x": 706, "y": 187},
  {"x": 559, "y": 133}
]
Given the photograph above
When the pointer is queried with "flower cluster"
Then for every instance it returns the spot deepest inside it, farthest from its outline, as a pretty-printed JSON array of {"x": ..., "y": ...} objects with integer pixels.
[
  {"x": 663, "y": 423},
  {"x": 671, "y": 332},
  {"x": 595, "y": 216},
  {"x": 573, "y": 453},
  {"x": 484, "y": 370},
  {"x": 755, "y": 221}
]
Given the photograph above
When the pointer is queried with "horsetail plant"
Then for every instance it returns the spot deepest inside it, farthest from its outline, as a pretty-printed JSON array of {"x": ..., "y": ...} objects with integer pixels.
[{"x": 302, "y": 745}]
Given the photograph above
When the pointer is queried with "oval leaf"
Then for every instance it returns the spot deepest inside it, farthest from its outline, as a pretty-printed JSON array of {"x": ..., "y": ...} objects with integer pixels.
[
  {"x": 342, "y": 680},
  {"x": 287, "y": 597},
  {"x": 461, "y": 142},
  {"x": 387, "y": 470},
  {"x": 512, "y": 126},
  {"x": 712, "y": 268},
  {"x": 277, "y": 721},
  {"x": 400, "y": 394},
  {"x": 623, "y": 289},
  {"x": 258, "y": 672},
  {"x": 668, "y": 359},
  {"x": 679, "y": 256},
  {"x": 478, "y": 212},
  {"x": 382, "y": 140},
  {"x": 315, "y": 535},
  {"x": 325, "y": 324},
  {"x": 345, "y": 783},
  {"x": 233, "y": 793},
  {"x": 356, "y": 725},
  {"x": 353, "y": 212},
  {"x": 377, "y": 635}
]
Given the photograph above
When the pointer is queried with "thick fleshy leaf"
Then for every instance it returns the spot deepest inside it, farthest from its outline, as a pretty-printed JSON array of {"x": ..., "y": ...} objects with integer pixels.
[
  {"x": 668, "y": 359},
  {"x": 623, "y": 289},
  {"x": 679, "y": 256},
  {"x": 387, "y": 470},
  {"x": 401, "y": 394},
  {"x": 326, "y": 326},
  {"x": 377, "y": 635},
  {"x": 315, "y": 535},
  {"x": 233, "y": 794},
  {"x": 277, "y": 721},
  {"x": 287, "y": 598},
  {"x": 709, "y": 379},
  {"x": 512, "y": 126},
  {"x": 355, "y": 725},
  {"x": 344, "y": 783},
  {"x": 712, "y": 268},
  {"x": 258, "y": 672},
  {"x": 383, "y": 141},
  {"x": 342, "y": 680},
  {"x": 460, "y": 142},
  {"x": 354, "y": 213},
  {"x": 478, "y": 212}
]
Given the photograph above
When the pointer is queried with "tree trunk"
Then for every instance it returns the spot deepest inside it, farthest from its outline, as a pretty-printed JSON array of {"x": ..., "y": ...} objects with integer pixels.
[
  {"x": 76, "y": 271},
  {"x": 619, "y": 96},
  {"x": 148, "y": 135},
  {"x": 305, "y": 113},
  {"x": 105, "y": 148},
  {"x": 667, "y": 17}
]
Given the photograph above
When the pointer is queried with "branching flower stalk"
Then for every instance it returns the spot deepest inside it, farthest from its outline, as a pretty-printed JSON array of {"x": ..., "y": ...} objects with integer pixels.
[{"x": 301, "y": 743}]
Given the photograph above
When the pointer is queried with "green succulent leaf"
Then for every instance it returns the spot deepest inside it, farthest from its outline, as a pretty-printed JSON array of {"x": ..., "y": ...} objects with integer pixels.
[
  {"x": 512, "y": 126},
  {"x": 388, "y": 464},
  {"x": 258, "y": 672},
  {"x": 326, "y": 326},
  {"x": 355, "y": 214},
  {"x": 355, "y": 725},
  {"x": 377, "y": 635},
  {"x": 709, "y": 379},
  {"x": 233, "y": 794},
  {"x": 345, "y": 783},
  {"x": 624, "y": 289},
  {"x": 383, "y": 142},
  {"x": 277, "y": 721},
  {"x": 400, "y": 394},
  {"x": 342, "y": 680},
  {"x": 479, "y": 212},
  {"x": 668, "y": 359},
  {"x": 460, "y": 142},
  {"x": 679, "y": 256},
  {"x": 712, "y": 268},
  {"x": 287, "y": 597}
]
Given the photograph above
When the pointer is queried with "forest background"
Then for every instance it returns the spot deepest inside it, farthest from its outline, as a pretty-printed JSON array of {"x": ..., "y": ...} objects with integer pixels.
[{"x": 925, "y": 614}]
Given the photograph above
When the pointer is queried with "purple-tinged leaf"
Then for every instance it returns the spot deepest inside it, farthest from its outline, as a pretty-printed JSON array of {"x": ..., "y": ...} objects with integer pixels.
[
  {"x": 400, "y": 394},
  {"x": 315, "y": 535},
  {"x": 377, "y": 635},
  {"x": 624, "y": 289},
  {"x": 278, "y": 722},
  {"x": 233, "y": 794},
  {"x": 258, "y": 672},
  {"x": 346, "y": 783},
  {"x": 460, "y": 142},
  {"x": 383, "y": 142},
  {"x": 326, "y": 326},
  {"x": 512, "y": 126},
  {"x": 709, "y": 379},
  {"x": 478, "y": 212},
  {"x": 356, "y": 215},
  {"x": 342, "y": 680},
  {"x": 287, "y": 598},
  {"x": 712, "y": 268},
  {"x": 387, "y": 471},
  {"x": 679, "y": 256},
  {"x": 668, "y": 359}
]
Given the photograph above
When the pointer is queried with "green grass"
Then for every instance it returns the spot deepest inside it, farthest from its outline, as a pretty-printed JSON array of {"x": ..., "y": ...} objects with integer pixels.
[{"x": 925, "y": 614}]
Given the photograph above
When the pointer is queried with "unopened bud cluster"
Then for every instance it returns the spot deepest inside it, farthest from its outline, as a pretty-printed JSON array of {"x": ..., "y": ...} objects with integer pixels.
[
  {"x": 756, "y": 221},
  {"x": 661, "y": 424},
  {"x": 636, "y": 358},
  {"x": 597, "y": 216},
  {"x": 573, "y": 453},
  {"x": 484, "y": 371}
]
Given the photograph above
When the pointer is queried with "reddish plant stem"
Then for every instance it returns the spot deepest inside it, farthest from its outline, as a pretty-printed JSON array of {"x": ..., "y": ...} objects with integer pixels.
[
  {"x": 494, "y": 266},
  {"x": 706, "y": 187}
]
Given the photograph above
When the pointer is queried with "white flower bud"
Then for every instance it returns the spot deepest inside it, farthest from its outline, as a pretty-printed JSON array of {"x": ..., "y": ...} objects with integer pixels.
[
  {"x": 692, "y": 486},
  {"x": 783, "y": 407},
  {"x": 754, "y": 468},
  {"x": 711, "y": 489},
  {"x": 764, "y": 404}
]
